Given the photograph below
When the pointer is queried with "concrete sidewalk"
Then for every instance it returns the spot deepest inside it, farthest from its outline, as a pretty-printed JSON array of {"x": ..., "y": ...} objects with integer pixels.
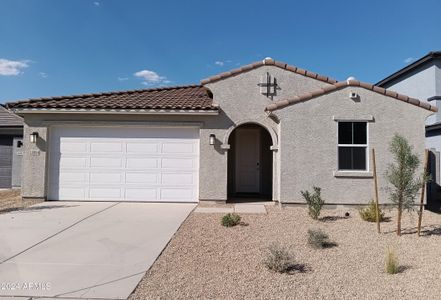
[{"x": 83, "y": 250}]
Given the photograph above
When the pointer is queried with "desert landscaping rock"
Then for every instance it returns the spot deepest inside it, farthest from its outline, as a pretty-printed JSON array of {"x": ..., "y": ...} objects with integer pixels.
[
  {"x": 207, "y": 260},
  {"x": 11, "y": 200}
]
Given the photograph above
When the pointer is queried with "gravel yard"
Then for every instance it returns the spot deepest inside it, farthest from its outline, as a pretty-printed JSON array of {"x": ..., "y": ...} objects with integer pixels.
[
  {"x": 11, "y": 200},
  {"x": 206, "y": 260}
]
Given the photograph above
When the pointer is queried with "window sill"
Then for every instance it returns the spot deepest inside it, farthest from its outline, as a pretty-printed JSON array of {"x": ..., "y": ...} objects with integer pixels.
[{"x": 356, "y": 174}]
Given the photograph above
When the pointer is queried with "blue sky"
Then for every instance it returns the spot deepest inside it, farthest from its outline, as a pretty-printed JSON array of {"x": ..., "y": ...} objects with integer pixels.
[{"x": 53, "y": 47}]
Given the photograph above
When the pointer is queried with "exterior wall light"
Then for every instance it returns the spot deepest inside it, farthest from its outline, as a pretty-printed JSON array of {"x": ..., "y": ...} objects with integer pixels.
[
  {"x": 212, "y": 139},
  {"x": 33, "y": 137}
]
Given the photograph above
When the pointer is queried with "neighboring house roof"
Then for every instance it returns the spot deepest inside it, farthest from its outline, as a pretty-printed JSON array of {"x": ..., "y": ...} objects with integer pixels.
[
  {"x": 9, "y": 119},
  {"x": 409, "y": 68},
  {"x": 268, "y": 62},
  {"x": 434, "y": 126},
  {"x": 342, "y": 84},
  {"x": 191, "y": 97}
]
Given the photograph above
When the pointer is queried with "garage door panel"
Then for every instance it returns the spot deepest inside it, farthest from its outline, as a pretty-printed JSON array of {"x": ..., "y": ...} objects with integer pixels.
[
  {"x": 141, "y": 194},
  {"x": 178, "y": 163},
  {"x": 142, "y": 177},
  {"x": 73, "y": 147},
  {"x": 74, "y": 177},
  {"x": 105, "y": 193},
  {"x": 176, "y": 147},
  {"x": 106, "y": 178},
  {"x": 73, "y": 193},
  {"x": 73, "y": 162},
  {"x": 178, "y": 178},
  {"x": 106, "y": 147},
  {"x": 142, "y": 148},
  {"x": 124, "y": 164},
  {"x": 142, "y": 163},
  {"x": 107, "y": 162}
]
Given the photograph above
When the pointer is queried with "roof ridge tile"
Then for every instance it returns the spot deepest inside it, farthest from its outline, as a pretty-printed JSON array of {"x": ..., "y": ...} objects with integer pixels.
[{"x": 268, "y": 62}]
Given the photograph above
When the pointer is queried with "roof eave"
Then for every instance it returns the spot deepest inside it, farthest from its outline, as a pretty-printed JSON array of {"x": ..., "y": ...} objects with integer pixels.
[{"x": 193, "y": 112}]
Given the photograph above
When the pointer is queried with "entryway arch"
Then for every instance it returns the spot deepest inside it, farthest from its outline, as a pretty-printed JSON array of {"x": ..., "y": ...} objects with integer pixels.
[{"x": 250, "y": 161}]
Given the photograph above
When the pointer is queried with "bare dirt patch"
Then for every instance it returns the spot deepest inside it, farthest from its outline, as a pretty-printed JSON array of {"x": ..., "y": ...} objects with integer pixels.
[
  {"x": 207, "y": 260},
  {"x": 11, "y": 200}
]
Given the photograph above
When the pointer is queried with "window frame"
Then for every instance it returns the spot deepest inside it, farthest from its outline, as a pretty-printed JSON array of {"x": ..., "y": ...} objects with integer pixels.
[{"x": 366, "y": 146}]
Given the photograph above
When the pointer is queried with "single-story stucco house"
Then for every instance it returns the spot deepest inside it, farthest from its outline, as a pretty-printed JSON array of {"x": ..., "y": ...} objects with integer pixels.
[
  {"x": 11, "y": 146},
  {"x": 266, "y": 130}
]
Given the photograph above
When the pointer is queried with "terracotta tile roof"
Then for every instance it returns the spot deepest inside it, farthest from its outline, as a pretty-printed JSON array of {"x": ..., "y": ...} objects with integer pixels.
[
  {"x": 269, "y": 62},
  {"x": 342, "y": 84},
  {"x": 191, "y": 97}
]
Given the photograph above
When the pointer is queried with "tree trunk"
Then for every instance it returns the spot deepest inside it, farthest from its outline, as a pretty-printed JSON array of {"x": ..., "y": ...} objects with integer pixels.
[{"x": 400, "y": 211}]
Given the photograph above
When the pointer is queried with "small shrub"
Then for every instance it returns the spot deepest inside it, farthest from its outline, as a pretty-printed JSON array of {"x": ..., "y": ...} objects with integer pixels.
[
  {"x": 319, "y": 239},
  {"x": 368, "y": 213},
  {"x": 392, "y": 266},
  {"x": 279, "y": 259},
  {"x": 230, "y": 220},
  {"x": 314, "y": 201}
]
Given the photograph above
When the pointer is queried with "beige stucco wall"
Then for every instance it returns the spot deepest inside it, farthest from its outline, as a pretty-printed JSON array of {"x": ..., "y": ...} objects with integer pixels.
[
  {"x": 309, "y": 143},
  {"x": 240, "y": 101}
]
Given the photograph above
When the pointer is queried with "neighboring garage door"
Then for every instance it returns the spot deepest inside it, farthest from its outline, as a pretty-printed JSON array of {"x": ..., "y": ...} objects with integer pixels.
[
  {"x": 5, "y": 162},
  {"x": 124, "y": 164}
]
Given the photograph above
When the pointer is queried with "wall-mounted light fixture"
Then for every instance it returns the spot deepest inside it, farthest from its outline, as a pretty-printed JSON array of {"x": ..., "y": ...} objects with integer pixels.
[
  {"x": 353, "y": 95},
  {"x": 33, "y": 137},
  {"x": 212, "y": 139}
]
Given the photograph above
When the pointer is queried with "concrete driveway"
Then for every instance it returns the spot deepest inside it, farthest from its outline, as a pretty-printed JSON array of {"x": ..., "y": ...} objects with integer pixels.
[{"x": 81, "y": 250}]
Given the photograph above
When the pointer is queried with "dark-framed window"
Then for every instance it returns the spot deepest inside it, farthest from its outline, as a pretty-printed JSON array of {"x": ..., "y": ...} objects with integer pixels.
[{"x": 352, "y": 146}]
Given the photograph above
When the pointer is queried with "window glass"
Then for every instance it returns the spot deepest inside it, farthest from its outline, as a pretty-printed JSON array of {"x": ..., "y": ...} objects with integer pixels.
[
  {"x": 359, "y": 158},
  {"x": 344, "y": 158},
  {"x": 345, "y": 133},
  {"x": 352, "y": 157},
  {"x": 359, "y": 133}
]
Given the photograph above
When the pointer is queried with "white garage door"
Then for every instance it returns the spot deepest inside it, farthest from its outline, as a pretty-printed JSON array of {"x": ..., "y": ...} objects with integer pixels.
[{"x": 124, "y": 164}]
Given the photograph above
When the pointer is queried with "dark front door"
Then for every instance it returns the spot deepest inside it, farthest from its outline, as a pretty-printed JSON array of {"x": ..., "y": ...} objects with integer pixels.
[{"x": 5, "y": 162}]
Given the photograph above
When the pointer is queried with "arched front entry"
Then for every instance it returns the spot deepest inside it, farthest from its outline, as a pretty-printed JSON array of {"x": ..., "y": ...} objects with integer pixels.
[{"x": 250, "y": 163}]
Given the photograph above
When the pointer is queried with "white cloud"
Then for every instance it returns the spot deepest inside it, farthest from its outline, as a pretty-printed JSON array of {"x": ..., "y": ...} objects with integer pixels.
[
  {"x": 409, "y": 60},
  {"x": 151, "y": 77},
  {"x": 43, "y": 74},
  {"x": 96, "y": 3},
  {"x": 123, "y": 78},
  {"x": 11, "y": 67},
  {"x": 219, "y": 63}
]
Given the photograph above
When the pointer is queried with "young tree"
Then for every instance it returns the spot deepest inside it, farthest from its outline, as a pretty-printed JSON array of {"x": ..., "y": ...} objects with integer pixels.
[{"x": 401, "y": 175}]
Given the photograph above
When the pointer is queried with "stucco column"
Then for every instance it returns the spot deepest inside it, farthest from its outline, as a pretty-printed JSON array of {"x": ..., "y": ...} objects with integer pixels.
[{"x": 34, "y": 163}]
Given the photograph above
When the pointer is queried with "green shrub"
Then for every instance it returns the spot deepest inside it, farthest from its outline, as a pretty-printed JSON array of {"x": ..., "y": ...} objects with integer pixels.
[
  {"x": 319, "y": 239},
  {"x": 314, "y": 201},
  {"x": 368, "y": 213},
  {"x": 392, "y": 266},
  {"x": 230, "y": 220},
  {"x": 279, "y": 259}
]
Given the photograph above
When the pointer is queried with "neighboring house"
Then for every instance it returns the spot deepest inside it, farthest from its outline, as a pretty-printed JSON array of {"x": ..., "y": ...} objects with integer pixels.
[
  {"x": 422, "y": 79},
  {"x": 11, "y": 141},
  {"x": 266, "y": 130}
]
